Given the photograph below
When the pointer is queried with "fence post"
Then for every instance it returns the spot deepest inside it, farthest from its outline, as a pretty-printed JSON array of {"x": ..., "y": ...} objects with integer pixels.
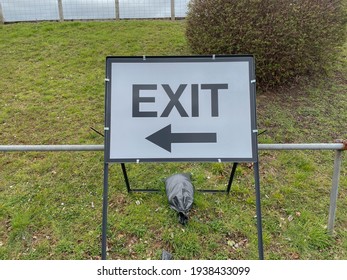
[
  {"x": 116, "y": 4},
  {"x": 2, "y": 19},
  {"x": 60, "y": 8},
  {"x": 334, "y": 191},
  {"x": 173, "y": 10}
]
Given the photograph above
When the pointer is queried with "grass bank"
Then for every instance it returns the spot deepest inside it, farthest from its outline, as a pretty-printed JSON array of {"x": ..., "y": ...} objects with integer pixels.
[{"x": 52, "y": 92}]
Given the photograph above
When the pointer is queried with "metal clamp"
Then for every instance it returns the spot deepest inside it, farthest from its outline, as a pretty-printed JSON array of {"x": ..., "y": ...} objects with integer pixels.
[{"x": 344, "y": 142}]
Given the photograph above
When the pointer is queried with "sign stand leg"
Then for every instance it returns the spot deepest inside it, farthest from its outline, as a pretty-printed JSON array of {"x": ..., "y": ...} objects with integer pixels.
[
  {"x": 126, "y": 179},
  {"x": 231, "y": 178},
  {"x": 104, "y": 213},
  {"x": 258, "y": 211}
]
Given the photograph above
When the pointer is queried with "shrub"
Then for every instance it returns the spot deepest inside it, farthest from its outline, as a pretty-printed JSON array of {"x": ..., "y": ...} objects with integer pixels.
[{"x": 289, "y": 38}]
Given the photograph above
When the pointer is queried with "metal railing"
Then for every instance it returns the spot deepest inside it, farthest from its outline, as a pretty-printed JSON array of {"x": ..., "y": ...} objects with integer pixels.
[
  {"x": 61, "y": 10},
  {"x": 337, "y": 147}
]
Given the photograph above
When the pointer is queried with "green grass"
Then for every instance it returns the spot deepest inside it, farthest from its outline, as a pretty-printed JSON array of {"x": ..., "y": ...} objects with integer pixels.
[{"x": 52, "y": 92}]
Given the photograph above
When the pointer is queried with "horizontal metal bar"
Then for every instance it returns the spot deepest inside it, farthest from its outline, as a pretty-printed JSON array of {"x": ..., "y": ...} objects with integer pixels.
[
  {"x": 145, "y": 190},
  {"x": 54, "y": 148},
  {"x": 50, "y": 148},
  {"x": 213, "y": 191},
  {"x": 305, "y": 146}
]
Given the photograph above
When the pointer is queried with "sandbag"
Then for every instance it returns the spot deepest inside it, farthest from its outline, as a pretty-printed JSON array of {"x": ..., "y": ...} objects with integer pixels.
[{"x": 180, "y": 194}]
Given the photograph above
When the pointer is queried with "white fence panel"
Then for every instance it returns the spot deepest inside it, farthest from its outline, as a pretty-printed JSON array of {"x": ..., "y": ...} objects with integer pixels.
[
  {"x": 88, "y": 9},
  {"x": 26, "y": 10}
]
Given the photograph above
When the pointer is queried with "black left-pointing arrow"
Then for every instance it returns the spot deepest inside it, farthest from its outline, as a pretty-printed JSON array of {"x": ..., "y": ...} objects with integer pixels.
[{"x": 164, "y": 138}]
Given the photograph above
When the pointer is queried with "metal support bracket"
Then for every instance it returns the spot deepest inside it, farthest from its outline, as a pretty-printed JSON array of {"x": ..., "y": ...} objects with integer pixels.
[{"x": 129, "y": 189}]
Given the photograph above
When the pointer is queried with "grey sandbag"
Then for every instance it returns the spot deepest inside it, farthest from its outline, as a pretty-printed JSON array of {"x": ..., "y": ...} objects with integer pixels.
[{"x": 180, "y": 194}]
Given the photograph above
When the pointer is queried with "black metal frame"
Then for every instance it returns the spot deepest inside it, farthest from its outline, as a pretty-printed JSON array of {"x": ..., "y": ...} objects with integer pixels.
[
  {"x": 254, "y": 159},
  {"x": 129, "y": 189}
]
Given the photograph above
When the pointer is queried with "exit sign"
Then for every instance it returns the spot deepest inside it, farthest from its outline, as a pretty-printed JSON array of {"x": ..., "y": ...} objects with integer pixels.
[{"x": 193, "y": 108}]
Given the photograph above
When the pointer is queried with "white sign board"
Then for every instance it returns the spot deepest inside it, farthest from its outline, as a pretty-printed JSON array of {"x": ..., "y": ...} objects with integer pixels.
[{"x": 180, "y": 109}]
